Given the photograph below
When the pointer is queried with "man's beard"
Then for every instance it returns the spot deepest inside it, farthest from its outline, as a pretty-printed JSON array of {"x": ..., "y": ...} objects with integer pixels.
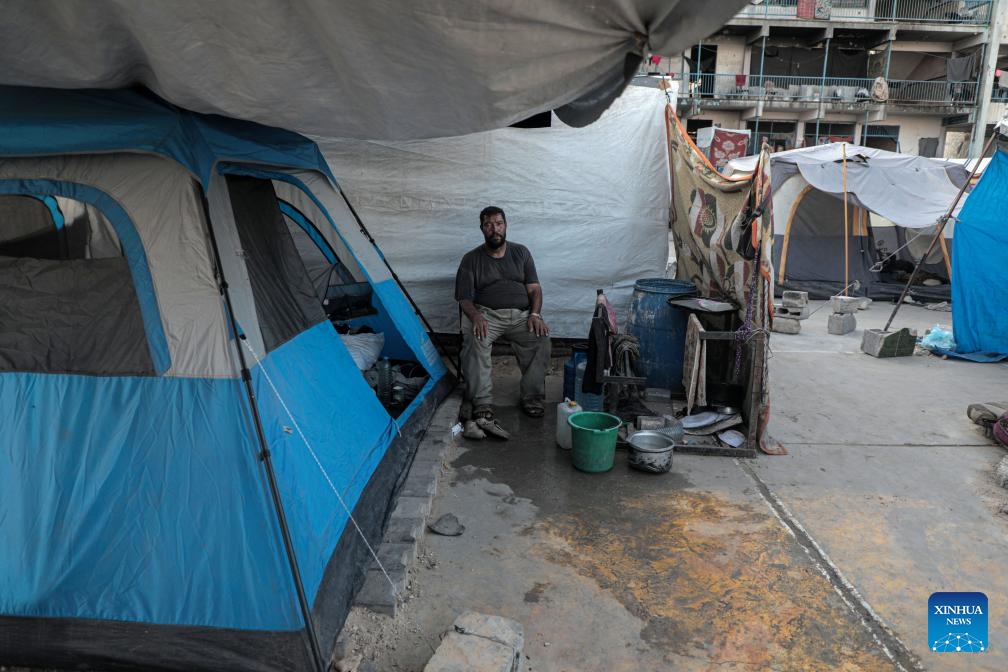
[{"x": 494, "y": 244}]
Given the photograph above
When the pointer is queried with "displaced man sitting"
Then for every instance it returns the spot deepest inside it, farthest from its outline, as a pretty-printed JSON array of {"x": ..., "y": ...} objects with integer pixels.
[{"x": 499, "y": 293}]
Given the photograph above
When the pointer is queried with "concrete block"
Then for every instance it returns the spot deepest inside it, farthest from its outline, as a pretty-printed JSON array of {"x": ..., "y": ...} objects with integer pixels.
[
  {"x": 395, "y": 556},
  {"x": 786, "y": 325},
  {"x": 878, "y": 343},
  {"x": 863, "y": 303},
  {"x": 845, "y": 304},
  {"x": 460, "y": 653},
  {"x": 793, "y": 299},
  {"x": 432, "y": 450},
  {"x": 405, "y": 530},
  {"x": 841, "y": 323},
  {"x": 793, "y": 313},
  {"x": 412, "y": 507},
  {"x": 378, "y": 595},
  {"x": 478, "y": 643},
  {"x": 421, "y": 481}
]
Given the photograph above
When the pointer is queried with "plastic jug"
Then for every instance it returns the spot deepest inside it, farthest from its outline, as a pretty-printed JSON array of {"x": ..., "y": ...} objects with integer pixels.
[{"x": 565, "y": 409}]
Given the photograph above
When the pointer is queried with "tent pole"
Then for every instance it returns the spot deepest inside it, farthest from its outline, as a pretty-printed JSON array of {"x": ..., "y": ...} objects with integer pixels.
[
  {"x": 941, "y": 227},
  {"x": 430, "y": 330},
  {"x": 822, "y": 90},
  {"x": 757, "y": 146},
  {"x": 846, "y": 233},
  {"x": 264, "y": 454}
]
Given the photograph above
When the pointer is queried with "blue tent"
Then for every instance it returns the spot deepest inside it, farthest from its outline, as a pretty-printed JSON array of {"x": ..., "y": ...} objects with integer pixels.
[
  {"x": 980, "y": 265},
  {"x": 185, "y": 431}
]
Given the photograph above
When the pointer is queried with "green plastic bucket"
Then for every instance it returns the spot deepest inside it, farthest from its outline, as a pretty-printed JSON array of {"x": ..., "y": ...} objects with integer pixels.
[{"x": 593, "y": 440}]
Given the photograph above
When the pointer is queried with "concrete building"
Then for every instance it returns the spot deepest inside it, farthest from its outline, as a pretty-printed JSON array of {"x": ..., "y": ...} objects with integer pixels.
[{"x": 916, "y": 76}]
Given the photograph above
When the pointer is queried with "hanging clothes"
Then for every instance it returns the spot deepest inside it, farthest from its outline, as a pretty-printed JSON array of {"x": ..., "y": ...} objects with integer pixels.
[
  {"x": 880, "y": 90},
  {"x": 599, "y": 352},
  {"x": 959, "y": 68}
]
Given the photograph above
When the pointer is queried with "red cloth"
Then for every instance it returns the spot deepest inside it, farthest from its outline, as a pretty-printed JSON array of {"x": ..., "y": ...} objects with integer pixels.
[
  {"x": 727, "y": 145},
  {"x": 740, "y": 80}
]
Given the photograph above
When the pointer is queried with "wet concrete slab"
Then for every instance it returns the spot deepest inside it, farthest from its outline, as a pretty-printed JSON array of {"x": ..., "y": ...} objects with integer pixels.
[
  {"x": 626, "y": 570},
  {"x": 822, "y": 559}
]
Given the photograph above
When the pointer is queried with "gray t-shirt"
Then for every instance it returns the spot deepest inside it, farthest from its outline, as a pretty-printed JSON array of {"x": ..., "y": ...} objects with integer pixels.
[{"x": 496, "y": 283}]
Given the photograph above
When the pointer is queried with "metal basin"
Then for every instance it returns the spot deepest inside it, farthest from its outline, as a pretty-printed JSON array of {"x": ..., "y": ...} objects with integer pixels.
[{"x": 651, "y": 451}]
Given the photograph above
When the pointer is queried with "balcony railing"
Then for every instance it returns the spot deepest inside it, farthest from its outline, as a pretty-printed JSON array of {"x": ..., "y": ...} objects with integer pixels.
[
  {"x": 964, "y": 12},
  {"x": 803, "y": 92}
]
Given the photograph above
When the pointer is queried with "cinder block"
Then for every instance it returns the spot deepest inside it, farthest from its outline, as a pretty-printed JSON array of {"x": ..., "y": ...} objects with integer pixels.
[
  {"x": 842, "y": 323},
  {"x": 878, "y": 343},
  {"x": 786, "y": 325},
  {"x": 845, "y": 304},
  {"x": 793, "y": 313},
  {"x": 793, "y": 299}
]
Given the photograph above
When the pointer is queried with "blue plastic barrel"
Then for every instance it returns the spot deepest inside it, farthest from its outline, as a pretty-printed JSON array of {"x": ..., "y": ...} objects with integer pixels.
[
  {"x": 579, "y": 353},
  {"x": 661, "y": 329},
  {"x": 586, "y": 400}
]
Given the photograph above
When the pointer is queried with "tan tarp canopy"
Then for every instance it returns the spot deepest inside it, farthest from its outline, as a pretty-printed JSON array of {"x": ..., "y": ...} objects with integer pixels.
[{"x": 379, "y": 69}]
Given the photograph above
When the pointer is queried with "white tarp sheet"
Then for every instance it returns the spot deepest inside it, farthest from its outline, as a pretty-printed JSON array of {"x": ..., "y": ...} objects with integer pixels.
[
  {"x": 382, "y": 69},
  {"x": 911, "y": 191},
  {"x": 592, "y": 204}
]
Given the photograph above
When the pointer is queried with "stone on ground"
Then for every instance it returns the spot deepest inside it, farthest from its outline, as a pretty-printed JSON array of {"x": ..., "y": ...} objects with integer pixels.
[{"x": 480, "y": 643}]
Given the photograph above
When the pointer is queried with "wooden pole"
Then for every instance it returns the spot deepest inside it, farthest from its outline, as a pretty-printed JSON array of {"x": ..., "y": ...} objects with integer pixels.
[{"x": 846, "y": 234}]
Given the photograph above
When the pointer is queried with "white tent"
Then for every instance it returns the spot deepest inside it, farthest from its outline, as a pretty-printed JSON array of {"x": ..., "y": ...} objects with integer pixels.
[
  {"x": 355, "y": 68},
  {"x": 592, "y": 204},
  {"x": 894, "y": 202}
]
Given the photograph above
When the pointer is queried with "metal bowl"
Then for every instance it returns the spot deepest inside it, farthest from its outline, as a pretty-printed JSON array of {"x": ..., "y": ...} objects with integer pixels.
[{"x": 651, "y": 451}]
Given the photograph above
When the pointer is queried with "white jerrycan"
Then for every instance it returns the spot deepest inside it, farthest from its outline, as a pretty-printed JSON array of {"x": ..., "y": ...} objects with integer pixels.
[{"x": 565, "y": 409}]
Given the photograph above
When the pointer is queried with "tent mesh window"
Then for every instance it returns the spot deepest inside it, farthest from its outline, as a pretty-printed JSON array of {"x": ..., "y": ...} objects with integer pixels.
[
  {"x": 342, "y": 295},
  {"x": 67, "y": 300},
  {"x": 285, "y": 298}
]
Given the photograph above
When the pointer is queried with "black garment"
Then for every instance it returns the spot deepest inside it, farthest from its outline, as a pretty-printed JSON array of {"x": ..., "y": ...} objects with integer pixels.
[
  {"x": 496, "y": 283},
  {"x": 599, "y": 355}
]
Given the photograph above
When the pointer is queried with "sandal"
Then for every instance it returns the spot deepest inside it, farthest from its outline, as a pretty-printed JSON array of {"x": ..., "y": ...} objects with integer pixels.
[
  {"x": 488, "y": 424},
  {"x": 533, "y": 409}
]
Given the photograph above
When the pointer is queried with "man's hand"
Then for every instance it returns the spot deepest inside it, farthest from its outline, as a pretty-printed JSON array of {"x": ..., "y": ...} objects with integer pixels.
[
  {"x": 481, "y": 328},
  {"x": 537, "y": 325}
]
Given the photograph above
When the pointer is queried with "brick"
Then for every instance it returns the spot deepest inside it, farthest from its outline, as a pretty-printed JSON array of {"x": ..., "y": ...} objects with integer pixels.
[{"x": 842, "y": 323}]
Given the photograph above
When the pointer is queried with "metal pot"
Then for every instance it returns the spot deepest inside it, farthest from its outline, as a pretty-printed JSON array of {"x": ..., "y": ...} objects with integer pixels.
[{"x": 651, "y": 451}]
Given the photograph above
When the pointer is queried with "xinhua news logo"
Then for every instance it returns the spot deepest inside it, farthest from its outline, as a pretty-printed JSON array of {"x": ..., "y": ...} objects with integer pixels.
[{"x": 957, "y": 622}]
